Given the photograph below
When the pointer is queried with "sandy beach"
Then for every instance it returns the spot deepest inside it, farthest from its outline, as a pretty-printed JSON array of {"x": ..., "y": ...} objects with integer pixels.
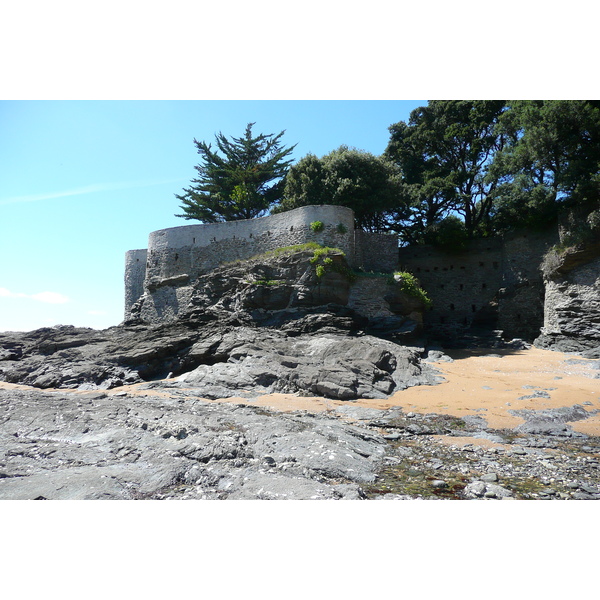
[{"x": 488, "y": 383}]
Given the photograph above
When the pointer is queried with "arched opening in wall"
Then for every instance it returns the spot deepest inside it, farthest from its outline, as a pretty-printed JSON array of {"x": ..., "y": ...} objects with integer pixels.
[
  {"x": 452, "y": 307},
  {"x": 484, "y": 286},
  {"x": 176, "y": 256},
  {"x": 473, "y": 308},
  {"x": 461, "y": 286}
]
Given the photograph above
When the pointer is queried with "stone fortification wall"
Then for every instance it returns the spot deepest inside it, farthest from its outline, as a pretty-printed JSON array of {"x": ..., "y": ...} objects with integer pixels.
[
  {"x": 462, "y": 285},
  {"x": 193, "y": 250},
  {"x": 179, "y": 255},
  {"x": 521, "y": 297},
  {"x": 135, "y": 274},
  {"x": 496, "y": 284},
  {"x": 375, "y": 251}
]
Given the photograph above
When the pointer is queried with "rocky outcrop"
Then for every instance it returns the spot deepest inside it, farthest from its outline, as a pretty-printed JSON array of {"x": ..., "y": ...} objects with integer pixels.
[
  {"x": 270, "y": 325},
  {"x": 98, "y": 446},
  {"x": 170, "y": 444},
  {"x": 572, "y": 302}
]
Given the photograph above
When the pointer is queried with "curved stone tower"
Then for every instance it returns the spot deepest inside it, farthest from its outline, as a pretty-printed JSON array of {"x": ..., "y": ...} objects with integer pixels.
[{"x": 178, "y": 255}]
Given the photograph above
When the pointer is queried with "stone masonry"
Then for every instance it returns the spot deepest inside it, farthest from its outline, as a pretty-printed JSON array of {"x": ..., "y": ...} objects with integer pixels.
[{"x": 179, "y": 255}]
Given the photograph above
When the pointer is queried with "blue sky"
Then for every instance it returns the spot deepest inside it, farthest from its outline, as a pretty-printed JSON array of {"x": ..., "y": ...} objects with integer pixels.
[
  {"x": 85, "y": 177},
  {"x": 82, "y": 182}
]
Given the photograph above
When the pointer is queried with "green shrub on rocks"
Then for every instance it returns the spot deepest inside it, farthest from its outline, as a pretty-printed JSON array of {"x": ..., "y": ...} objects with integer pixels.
[
  {"x": 317, "y": 226},
  {"x": 410, "y": 285}
]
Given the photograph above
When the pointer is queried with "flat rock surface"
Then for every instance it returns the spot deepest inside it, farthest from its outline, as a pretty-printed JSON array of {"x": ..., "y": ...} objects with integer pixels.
[{"x": 426, "y": 442}]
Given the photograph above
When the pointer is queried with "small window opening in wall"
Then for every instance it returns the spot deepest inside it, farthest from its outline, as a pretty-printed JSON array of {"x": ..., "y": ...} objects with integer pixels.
[
  {"x": 518, "y": 317},
  {"x": 193, "y": 240},
  {"x": 451, "y": 267},
  {"x": 465, "y": 321},
  {"x": 445, "y": 269},
  {"x": 442, "y": 286},
  {"x": 483, "y": 286},
  {"x": 442, "y": 320},
  {"x": 496, "y": 265},
  {"x": 452, "y": 307},
  {"x": 481, "y": 264},
  {"x": 176, "y": 256},
  {"x": 463, "y": 267},
  {"x": 461, "y": 286},
  {"x": 435, "y": 268},
  {"x": 292, "y": 228},
  {"x": 473, "y": 308}
]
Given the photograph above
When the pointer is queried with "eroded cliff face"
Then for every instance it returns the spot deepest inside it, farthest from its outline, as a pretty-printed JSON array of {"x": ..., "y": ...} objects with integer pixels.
[{"x": 572, "y": 303}]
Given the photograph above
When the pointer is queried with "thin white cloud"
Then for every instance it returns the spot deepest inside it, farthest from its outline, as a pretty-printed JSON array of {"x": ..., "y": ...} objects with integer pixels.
[
  {"x": 45, "y": 297},
  {"x": 88, "y": 189}
]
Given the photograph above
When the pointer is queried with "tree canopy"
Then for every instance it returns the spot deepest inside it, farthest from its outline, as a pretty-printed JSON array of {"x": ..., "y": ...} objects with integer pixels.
[
  {"x": 550, "y": 163},
  {"x": 488, "y": 166},
  {"x": 370, "y": 185},
  {"x": 457, "y": 169},
  {"x": 242, "y": 179},
  {"x": 444, "y": 153}
]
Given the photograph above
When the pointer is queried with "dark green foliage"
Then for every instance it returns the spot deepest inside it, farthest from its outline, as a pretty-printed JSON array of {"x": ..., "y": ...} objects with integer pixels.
[
  {"x": 551, "y": 163},
  {"x": 445, "y": 152},
  {"x": 242, "y": 182},
  {"x": 449, "y": 234},
  {"x": 370, "y": 185},
  {"x": 410, "y": 285},
  {"x": 496, "y": 166}
]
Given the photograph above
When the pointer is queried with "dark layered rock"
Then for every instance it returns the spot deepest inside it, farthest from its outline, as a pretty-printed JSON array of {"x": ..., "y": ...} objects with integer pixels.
[
  {"x": 572, "y": 302},
  {"x": 263, "y": 325}
]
